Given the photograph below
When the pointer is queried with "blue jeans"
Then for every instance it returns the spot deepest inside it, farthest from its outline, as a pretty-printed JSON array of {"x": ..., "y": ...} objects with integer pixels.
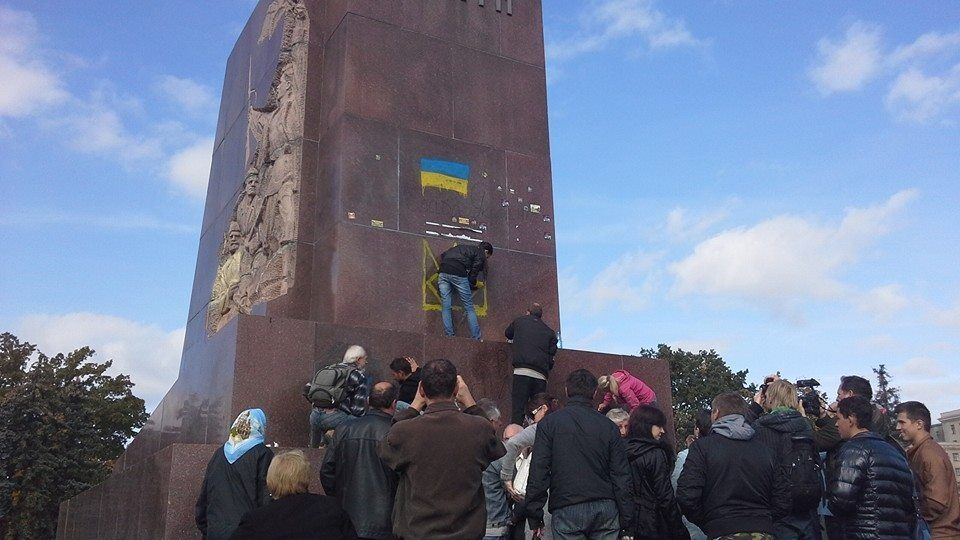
[
  {"x": 593, "y": 520},
  {"x": 322, "y": 421},
  {"x": 447, "y": 283}
]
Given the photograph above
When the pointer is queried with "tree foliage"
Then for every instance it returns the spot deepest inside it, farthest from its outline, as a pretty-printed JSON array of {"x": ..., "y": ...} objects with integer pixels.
[
  {"x": 695, "y": 379},
  {"x": 886, "y": 397},
  {"x": 62, "y": 424}
]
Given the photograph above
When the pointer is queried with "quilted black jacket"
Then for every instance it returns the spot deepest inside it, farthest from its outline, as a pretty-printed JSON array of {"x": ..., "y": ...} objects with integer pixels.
[
  {"x": 656, "y": 512},
  {"x": 871, "y": 491}
]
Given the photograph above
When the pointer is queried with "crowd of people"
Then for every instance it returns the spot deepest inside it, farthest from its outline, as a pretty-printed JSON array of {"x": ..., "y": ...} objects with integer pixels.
[{"x": 418, "y": 457}]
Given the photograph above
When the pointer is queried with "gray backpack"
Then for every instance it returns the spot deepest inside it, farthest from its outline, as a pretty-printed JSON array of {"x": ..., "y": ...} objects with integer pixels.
[{"x": 326, "y": 389}]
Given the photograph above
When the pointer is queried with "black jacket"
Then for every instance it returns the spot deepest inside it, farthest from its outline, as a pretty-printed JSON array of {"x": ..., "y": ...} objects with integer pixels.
[
  {"x": 578, "y": 456},
  {"x": 408, "y": 388},
  {"x": 871, "y": 493},
  {"x": 465, "y": 261},
  {"x": 295, "y": 517},
  {"x": 353, "y": 473},
  {"x": 230, "y": 490},
  {"x": 775, "y": 429},
  {"x": 656, "y": 514},
  {"x": 731, "y": 482},
  {"x": 534, "y": 344}
]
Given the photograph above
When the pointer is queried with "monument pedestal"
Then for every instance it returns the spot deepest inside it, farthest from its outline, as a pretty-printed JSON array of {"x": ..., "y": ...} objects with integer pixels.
[{"x": 325, "y": 219}]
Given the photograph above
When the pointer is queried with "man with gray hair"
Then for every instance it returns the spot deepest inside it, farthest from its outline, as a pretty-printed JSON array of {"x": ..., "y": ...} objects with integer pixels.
[{"x": 338, "y": 392}]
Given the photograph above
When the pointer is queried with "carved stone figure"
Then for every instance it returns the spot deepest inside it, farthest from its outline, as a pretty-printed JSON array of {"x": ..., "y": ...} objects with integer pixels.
[{"x": 258, "y": 258}]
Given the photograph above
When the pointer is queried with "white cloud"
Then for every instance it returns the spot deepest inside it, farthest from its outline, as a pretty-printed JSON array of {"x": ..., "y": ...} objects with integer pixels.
[
  {"x": 883, "y": 302},
  {"x": 627, "y": 283},
  {"x": 98, "y": 129},
  {"x": 878, "y": 343},
  {"x": 149, "y": 354},
  {"x": 919, "y": 97},
  {"x": 948, "y": 317},
  {"x": 607, "y": 21},
  {"x": 189, "y": 169},
  {"x": 28, "y": 84},
  {"x": 927, "y": 380},
  {"x": 786, "y": 260},
  {"x": 193, "y": 97},
  {"x": 684, "y": 225},
  {"x": 924, "y": 86},
  {"x": 925, "y": 46},
  {"x": 849, "y": 64}
]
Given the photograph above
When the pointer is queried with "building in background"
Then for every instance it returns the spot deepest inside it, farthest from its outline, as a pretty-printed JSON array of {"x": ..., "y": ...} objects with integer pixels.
[{"x": 947, "y": 433}]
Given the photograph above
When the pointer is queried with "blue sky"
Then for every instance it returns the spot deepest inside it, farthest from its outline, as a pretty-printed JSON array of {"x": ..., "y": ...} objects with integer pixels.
[{"x": 775, "y": 181}]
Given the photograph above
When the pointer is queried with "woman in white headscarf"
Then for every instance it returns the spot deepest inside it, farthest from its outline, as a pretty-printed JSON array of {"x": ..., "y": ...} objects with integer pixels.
[{"x": 236, "y": 478}]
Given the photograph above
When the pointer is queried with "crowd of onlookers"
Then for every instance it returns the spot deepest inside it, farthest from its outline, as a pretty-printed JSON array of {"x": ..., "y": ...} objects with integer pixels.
[{"x": 418, "y": 457}]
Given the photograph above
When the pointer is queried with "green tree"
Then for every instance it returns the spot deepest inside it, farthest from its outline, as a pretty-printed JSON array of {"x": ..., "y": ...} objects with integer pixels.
[
  {"x": 886, "y": 397},
  {"x": 62, "y": 424},
  {"x": 695, "y": 379}
]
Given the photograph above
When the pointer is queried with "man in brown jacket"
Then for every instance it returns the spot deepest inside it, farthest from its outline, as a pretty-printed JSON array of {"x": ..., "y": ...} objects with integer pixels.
[
  {"x": 440, "y": 457},
  {"x": 932, "y": 469}
]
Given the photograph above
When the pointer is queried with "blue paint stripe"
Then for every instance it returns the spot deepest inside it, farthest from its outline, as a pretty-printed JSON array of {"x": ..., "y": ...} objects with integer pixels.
[{"x": 449, "y": 168}]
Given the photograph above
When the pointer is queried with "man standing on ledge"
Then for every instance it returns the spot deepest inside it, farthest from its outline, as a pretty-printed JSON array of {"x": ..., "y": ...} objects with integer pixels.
[
  {"x": 459, "y": 268},
  {"x": 534, "y": 345}
]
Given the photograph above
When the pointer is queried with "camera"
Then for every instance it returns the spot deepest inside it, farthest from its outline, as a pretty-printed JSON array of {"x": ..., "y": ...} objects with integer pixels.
[{"x": 808, "y": 396}]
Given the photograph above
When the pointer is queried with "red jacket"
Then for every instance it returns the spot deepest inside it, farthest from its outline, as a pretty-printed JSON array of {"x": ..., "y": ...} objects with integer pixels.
[{"x": 633, "y": 392}]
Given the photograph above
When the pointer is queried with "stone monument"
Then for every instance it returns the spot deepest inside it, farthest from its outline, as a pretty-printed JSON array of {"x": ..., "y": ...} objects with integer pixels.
[{"x": 357, "y": 140}]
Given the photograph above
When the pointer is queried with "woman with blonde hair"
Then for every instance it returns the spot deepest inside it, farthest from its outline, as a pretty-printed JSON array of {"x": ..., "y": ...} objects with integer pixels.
[
  {"x": 784, "y": 429},
  {"x": 295, "y": 512},
  {"x": 623, "y": 388}
]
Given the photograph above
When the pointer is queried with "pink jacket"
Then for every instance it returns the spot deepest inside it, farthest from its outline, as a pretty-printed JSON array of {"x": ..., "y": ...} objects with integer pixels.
[{"x": 633, "y": 392}]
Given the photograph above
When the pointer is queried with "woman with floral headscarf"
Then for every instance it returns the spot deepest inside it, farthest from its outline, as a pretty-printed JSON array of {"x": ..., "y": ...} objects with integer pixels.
[{"x": 236, "y": 478}]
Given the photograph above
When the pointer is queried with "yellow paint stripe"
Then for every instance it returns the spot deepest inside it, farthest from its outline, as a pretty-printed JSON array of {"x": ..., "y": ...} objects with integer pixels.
[{"x": 442, "y": 181}]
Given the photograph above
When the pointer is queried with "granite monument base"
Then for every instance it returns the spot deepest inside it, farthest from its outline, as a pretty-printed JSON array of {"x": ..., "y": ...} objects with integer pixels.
[{"x": 268, "y": 359}]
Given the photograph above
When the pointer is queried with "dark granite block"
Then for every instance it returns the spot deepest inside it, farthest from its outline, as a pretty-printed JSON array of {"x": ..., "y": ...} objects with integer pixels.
[
  {"x": 521, "y": 35},
  {"x": 332, "y": 94},
  {"x": 531, "y": 204},
  {"x": 312, "y": 109},
  {"x": 486, "y": 189},
  {"x": 275, "y": 357},
  {"x": 382, "y": 346},
  {"x": 500, "y": 102},
  {"x": 425, "y": 80},
  {"x": 372, "y": 60},
  {"x": 336, "y": 11},
  {"x": 464, "y": 23},
  {"x": 369, "y": 182}
]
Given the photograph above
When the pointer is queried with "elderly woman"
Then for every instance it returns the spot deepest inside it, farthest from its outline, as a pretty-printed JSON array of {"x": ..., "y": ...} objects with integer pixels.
[
  {"x": 623, "y": 388},
  {"x": 295, "y": 512},
  {"x": 236, "y": 478}
]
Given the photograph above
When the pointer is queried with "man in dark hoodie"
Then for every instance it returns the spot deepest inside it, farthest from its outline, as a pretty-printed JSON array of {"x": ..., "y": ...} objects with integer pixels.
[
  {"x": 534, "y": 345},
  {"x": 784, "y": 430},
  {"x": 460, "y": 267},
  {"x": 732, "y": 484}
]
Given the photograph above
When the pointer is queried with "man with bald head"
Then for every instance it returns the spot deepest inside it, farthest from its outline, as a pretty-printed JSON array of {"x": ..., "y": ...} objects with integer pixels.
[
  {"x": 498, "y": 501},
  {"x": 353, "y": 472}
]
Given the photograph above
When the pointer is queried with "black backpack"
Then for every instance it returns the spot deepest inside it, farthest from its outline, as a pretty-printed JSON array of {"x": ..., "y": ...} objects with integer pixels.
[
  {"x": 326, "y": 389},
  {"x": 803, "y": 471}
]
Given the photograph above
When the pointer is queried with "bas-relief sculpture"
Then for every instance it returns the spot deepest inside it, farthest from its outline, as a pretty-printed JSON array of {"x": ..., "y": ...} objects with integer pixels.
[{"x": 257, "y": 256}]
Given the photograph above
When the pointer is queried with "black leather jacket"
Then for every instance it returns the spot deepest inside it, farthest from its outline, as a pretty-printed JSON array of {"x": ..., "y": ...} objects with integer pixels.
[
  {"x": 464, "y": 261},
  {"x": 656, "y": 512},
  {"x": 871, "y": 491},
  {"x": 353, "y": 473}
]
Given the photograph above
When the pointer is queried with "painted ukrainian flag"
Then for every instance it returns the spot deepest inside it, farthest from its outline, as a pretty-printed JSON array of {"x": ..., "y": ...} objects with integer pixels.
[{"x": 448, "y": 175}]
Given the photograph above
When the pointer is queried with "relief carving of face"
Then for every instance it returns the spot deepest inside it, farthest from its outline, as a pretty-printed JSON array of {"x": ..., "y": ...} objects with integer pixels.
[
  {"x": 251, "y": 182},
  {"x": 233, "y": 238}
]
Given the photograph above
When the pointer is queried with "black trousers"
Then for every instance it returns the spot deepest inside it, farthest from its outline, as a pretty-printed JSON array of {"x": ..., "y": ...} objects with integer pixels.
[{"x": 523, "y": 388}]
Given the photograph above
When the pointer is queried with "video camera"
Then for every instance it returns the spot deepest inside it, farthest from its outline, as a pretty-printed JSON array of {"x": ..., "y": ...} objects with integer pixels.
[{"x": 808, "y": 396}]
